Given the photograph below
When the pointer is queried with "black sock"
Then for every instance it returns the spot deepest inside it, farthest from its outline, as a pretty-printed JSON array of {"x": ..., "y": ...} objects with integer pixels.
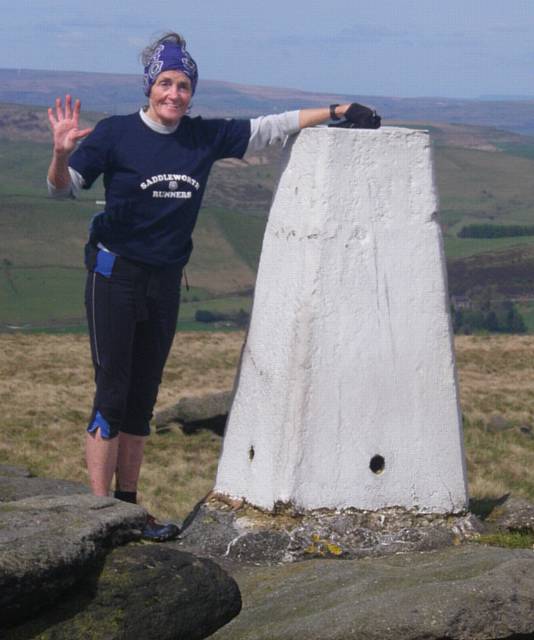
[{"x": 126, "y": 496}]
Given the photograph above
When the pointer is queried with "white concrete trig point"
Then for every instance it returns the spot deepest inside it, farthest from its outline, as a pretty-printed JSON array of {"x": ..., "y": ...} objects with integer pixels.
[{"x": 347, "y": 393}]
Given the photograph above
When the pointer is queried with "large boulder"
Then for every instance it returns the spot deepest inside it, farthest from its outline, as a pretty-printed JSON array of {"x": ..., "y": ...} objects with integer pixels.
[
  {"x": 17, "y": 483},
  {"x": 9, "y": 470},
  {"x": 209, "y": 411},
  {"x": 512, "y": 514},
  {"x": 461, "y": 593},
  {"x": 18, "y": 487},
  {"x": 64, "y": 575},
  {"x": 151, "y": 592},
  {"x": 47, "y": 543}
]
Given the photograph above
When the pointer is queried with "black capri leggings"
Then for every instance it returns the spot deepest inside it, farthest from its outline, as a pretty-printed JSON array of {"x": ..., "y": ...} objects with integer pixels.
[{"x": 132, "y": 309}]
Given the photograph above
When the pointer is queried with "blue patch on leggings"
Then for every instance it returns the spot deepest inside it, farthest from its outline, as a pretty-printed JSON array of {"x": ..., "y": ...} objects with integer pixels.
[
  {"x": 104, "y": 263},
  {"x": 100, "y": 423}
]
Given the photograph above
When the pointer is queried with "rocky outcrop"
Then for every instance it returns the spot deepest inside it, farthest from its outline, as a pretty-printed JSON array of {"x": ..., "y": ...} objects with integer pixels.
[
  {"x": 19, "y": 487},
  {"x": 47, "y": 543},
  {"x": 9, "y": 471},
  {"x": 150, "y": 592},
  {"x": 498, "y": 423},
  {"x": 63, "y": 577},
  {"x": 208, "y": 411},
  {"x": 404, "y": 576},
  {"x": 64, "y": 573},
  {"x": 241, "y": 532},
  {"x": 512, "y": 514},
  {"x": 461, "y": 593}
]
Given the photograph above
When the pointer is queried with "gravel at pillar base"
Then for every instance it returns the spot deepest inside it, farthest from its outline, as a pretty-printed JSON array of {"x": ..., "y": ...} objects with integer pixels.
[{"x": 347, "y": 393}]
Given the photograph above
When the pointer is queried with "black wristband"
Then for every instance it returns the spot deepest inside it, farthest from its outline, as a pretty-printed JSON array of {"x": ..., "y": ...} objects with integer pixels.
[{"x": 333, "y": 115}]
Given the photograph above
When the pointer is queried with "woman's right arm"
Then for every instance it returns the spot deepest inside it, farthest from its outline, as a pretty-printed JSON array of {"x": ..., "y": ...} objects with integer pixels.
[{"x": 66, "y": 134}]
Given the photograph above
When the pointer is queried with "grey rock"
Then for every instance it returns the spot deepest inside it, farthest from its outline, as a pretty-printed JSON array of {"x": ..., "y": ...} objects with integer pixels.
[
  {"x": 498, "y": 423},
  {"x": 526, "y": 430},
  {"x": 260, "y": 547},
  {"x": 460, "y": 593},
  {"x": 48, "y": 542},
  {"x": 208, "y": 411},
  {"x": 150, "y": 592},
  {"x": 19, "y": 487},
  {"x": 242, "y": 532},
  {"x": 11, "y": 471},
  {"x": 513, "y": 514},
  {"x": 210, "y": 531}
]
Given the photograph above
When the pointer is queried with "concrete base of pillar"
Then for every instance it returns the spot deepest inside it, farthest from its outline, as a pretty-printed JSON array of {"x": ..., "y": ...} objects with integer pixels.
[{"x": 222, "y": 528}]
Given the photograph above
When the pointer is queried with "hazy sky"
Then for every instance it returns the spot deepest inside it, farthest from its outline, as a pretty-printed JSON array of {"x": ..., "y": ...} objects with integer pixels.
[{"x": 451, "y": 48}]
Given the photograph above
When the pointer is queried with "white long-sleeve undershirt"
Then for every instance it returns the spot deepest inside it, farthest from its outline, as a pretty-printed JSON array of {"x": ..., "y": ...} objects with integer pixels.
[{"x": 264, "y": 131}]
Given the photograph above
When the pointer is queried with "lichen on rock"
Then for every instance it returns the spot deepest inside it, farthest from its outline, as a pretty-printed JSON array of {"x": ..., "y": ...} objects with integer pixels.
[{"x": 240, "y": 531}]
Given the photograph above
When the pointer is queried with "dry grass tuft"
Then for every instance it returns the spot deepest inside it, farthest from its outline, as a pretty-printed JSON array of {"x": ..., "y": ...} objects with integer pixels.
[
  {"x": 46, "y": 392},
  {"x": 496, "y": 377}
]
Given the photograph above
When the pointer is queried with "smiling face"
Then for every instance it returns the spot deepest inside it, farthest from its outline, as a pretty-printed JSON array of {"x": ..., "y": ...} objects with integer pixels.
[{"x": 169, "y": 97}]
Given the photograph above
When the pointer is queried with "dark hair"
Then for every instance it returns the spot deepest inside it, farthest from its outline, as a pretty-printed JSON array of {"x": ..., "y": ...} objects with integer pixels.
[{"x": 170, "y": 36}]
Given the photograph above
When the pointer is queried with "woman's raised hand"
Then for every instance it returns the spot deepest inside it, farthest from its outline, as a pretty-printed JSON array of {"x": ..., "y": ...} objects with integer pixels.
[{"x": 64, "y": 124}]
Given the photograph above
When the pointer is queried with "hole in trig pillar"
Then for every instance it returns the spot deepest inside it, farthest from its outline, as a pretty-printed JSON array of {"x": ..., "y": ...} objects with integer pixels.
[
  {"x": 377, "y": 464},
  {"x": 251, "y": 453}
]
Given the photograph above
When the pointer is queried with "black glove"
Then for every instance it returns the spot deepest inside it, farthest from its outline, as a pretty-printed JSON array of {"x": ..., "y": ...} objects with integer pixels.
[{"x": 359, "y": 117}]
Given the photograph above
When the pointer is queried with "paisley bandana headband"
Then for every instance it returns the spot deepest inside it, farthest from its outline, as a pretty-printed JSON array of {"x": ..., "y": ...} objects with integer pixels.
[{"x": 169, "y": 56}]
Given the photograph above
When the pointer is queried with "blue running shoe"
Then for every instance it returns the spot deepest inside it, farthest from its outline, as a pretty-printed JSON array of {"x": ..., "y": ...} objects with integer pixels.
[{"x": 157, "y": 532}]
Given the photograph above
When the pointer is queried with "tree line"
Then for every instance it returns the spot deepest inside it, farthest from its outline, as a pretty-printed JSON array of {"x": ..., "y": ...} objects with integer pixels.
[
  {"x": 496, "y": 230},
  {"x": 238, "y": 319},
  {"x": 485, "y": 313}
]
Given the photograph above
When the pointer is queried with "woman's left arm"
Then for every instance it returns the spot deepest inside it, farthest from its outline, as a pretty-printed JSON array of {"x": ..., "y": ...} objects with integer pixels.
[{"x": 266, "y": 130}]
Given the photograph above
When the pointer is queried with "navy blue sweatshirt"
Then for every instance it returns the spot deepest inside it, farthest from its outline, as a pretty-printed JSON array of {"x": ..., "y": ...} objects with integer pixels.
[{"x": 154, "y": 182}]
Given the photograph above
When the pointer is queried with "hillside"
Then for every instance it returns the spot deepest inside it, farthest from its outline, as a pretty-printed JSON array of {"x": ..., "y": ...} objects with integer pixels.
[
  {"x": 482, "y": 174},
  {"x": 121, "y": 93}
]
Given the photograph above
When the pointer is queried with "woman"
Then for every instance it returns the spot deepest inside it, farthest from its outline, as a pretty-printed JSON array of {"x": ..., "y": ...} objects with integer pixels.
[{"x": 155, "y": 165}]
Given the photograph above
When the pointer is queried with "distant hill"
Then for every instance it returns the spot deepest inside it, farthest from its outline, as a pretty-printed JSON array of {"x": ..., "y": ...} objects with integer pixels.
[{"x": 122, "y": 93}]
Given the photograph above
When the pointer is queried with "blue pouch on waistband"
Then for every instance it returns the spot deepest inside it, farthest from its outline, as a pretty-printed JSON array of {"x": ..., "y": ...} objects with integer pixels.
[{"x": 104, "y": 263}]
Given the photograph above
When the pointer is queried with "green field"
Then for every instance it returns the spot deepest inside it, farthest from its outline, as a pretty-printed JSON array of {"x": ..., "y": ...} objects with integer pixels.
[
  {"x": 483, "y": 186},
  {"x": 42, "y": 240},
  {"x": 463, "y": 247},
  {"x": 42, "y": 278},
  {"x": 521, "y": 149}
]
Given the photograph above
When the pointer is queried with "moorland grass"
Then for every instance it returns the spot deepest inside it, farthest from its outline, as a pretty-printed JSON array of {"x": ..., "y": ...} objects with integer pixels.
[
  {"x": 46, "y": 391},
  {"x": 511, "y": 540},
  {"x": 496, "y": 378}
]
